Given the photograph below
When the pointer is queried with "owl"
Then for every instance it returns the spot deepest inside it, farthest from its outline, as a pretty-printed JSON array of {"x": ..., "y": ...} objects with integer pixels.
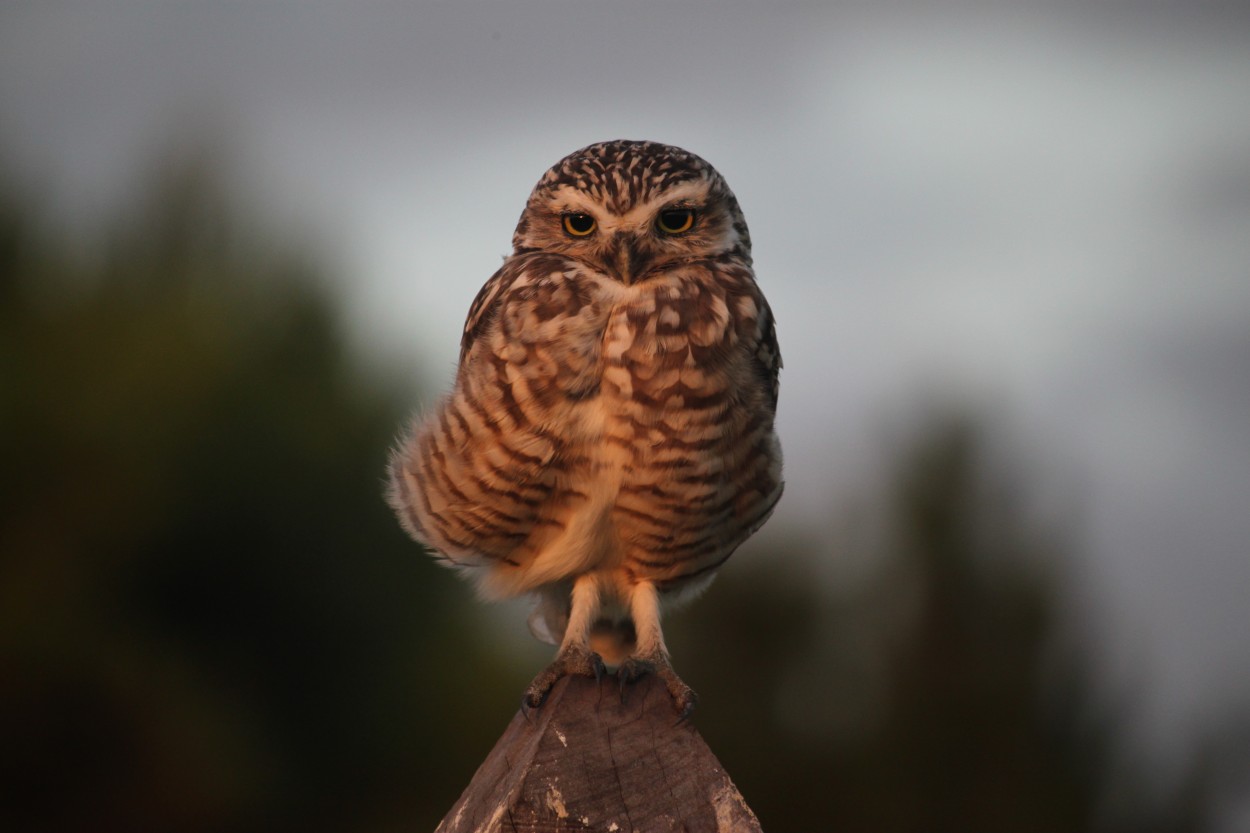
[{"x": 609, "y": 440}]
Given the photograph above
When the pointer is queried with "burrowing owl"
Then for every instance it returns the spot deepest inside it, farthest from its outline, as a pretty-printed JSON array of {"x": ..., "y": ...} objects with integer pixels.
[{"x": 609, "y": 440}]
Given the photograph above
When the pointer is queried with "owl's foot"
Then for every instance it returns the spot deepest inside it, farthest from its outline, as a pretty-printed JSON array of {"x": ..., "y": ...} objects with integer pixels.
[
  {"x": 635, "y": 667},
  {"x": 570, "y": 661}
]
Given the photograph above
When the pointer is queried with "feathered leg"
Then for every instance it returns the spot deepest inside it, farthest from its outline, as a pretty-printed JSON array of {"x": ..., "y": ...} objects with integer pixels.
[
  {"x": 574, "y": 656},
  {"x": 651, "y": 655}
]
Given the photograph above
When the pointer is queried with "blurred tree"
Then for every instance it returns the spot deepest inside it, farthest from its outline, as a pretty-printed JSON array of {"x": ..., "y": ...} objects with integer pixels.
[
  {"x": 208, "y": 619},
  {"x": 935, "y": 695}
]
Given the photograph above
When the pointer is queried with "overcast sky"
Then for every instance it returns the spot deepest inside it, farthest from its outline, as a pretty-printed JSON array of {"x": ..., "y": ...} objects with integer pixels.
[{"x": 1047, "y": 211}]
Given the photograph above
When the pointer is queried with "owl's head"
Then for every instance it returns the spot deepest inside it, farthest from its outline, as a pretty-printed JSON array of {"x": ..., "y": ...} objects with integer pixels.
[{"x": 633, "y": 209}]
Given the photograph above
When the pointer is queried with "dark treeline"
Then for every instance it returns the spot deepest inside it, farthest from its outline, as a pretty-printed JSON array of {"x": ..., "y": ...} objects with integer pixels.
[{"x": 209, "y": 621}]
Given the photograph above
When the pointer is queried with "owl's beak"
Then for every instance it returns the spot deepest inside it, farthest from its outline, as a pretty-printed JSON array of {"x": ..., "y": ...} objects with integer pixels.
[
  {"x": 621, "y": 262},
  {"x": 625, "y": 260}
]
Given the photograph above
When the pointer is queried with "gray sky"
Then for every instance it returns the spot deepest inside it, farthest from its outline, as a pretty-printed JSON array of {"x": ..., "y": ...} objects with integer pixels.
[{"x": 1047, "y": 210}]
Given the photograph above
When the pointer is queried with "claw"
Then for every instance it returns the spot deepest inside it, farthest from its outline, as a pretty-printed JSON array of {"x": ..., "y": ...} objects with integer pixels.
[
  {"x": 685, "y": 704},
  {"x": 579, "y": 661},
  {"x": 634, "y": 668}
]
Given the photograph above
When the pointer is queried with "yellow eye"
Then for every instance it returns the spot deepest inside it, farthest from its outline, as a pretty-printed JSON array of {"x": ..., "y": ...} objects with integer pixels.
[
  {"x": 579, "y": 225},
  {"x": 675, "y": 220}
]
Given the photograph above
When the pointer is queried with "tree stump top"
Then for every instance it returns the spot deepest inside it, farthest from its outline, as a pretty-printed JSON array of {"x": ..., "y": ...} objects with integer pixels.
[{"x": 590, "y": 759}]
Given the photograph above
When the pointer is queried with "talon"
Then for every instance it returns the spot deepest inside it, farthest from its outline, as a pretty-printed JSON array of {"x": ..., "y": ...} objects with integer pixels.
[
  {"x": 569, "y": 662},
  {"x": 685, "y": 703},
  {"x": 631, "y": 671},
  {"x": 635, "y": 668}
]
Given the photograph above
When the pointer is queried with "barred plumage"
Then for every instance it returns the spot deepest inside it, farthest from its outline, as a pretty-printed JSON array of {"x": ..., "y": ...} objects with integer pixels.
[{"x": 609, "y": 439}]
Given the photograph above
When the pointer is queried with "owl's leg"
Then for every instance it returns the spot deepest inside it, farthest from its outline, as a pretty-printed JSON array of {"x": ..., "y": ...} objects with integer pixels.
[
  {"x": 574, "y": 656},
  {"x": 650, "y": 656}
]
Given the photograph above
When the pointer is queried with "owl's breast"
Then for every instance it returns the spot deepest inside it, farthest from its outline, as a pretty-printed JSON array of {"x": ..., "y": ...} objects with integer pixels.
[
  {"x": 643, "y": 412},
  {"x": 670, "y": 352},
  {"x": 689, "y": 421}
]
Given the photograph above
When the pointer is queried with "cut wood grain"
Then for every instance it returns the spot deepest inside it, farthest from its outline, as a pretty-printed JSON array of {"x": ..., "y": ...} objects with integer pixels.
[{"x": 592, "y": 760}]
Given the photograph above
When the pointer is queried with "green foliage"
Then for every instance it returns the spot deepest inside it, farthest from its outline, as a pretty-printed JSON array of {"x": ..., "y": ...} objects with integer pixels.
[{"x": 208, "y": 619}]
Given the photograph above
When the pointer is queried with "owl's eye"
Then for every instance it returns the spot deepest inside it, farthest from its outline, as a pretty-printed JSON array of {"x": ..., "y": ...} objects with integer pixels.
[
  {"x": 579, "y": 225},
  {"x": 675, "y": 220}
]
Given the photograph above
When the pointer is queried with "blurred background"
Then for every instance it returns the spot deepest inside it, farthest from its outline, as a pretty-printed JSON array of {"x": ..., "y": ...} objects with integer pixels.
[{"x": 1009, "y": 255}]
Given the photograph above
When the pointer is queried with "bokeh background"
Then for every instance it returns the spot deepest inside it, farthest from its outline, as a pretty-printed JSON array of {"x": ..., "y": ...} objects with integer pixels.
[{"x": 1008, "y": 249}]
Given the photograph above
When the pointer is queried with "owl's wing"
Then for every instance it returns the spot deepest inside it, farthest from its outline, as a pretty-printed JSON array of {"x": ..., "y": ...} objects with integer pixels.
[
  {"x": 486, "y": 305},
  {"x": 537, "y": 298},
  {"x": 767, "y": 354}
]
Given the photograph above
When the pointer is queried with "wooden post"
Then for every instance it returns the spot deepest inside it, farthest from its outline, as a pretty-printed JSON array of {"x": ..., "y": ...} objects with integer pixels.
[{"x": 592, "y": 760}]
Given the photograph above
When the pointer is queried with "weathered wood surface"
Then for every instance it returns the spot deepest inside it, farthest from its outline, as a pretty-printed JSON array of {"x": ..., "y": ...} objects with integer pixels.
[{"x": 590, "y": 760}]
